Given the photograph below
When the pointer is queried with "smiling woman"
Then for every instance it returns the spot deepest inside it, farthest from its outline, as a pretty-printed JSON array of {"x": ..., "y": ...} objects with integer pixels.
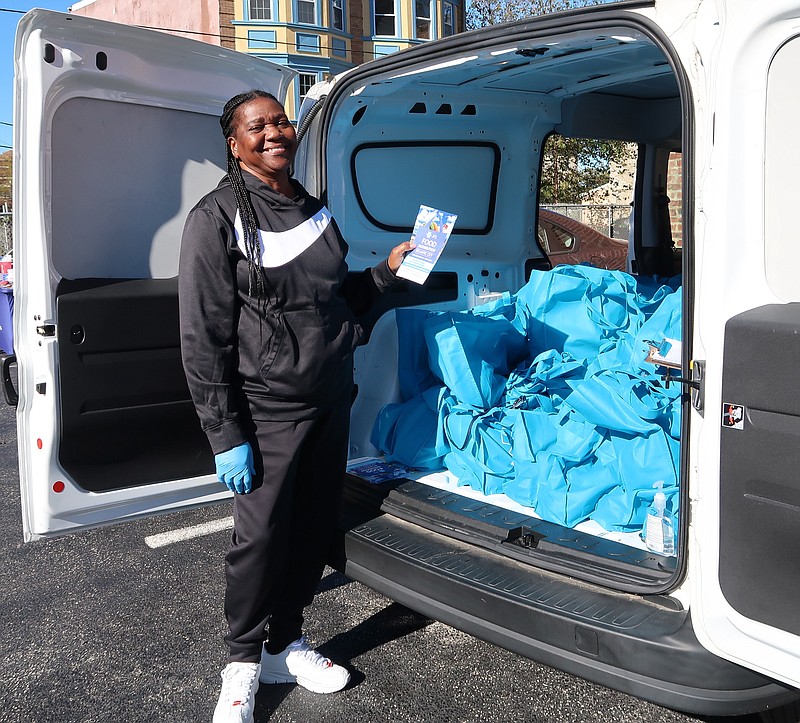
[{"x": 268, "y": 330}]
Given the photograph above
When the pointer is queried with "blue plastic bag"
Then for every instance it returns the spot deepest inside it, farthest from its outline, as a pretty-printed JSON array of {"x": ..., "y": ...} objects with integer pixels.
[
  {"x": 414, "y": 373},
  {"x": 546, "y": 396},
  {"x": 542, "y": 383},
  {"x": 472, "y": 355},
  {"x": 481, "y": 453},
  {"x": 412, "y": 433}
]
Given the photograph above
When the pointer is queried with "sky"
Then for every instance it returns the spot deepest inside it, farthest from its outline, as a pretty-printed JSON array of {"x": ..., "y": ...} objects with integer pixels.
[{"x": 10, "y": 15}]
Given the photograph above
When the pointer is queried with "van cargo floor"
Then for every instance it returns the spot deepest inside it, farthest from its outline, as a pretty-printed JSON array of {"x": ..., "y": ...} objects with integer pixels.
[{"x": 513, "y": 534}]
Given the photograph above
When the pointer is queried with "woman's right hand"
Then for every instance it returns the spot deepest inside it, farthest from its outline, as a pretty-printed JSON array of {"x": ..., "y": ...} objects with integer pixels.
[
  {"x": 398, "y": 253},
  {"x": 235, "y": 468}
]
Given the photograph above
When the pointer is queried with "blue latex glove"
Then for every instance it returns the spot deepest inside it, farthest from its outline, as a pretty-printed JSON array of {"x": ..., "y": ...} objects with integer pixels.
[{"x": 235, "y": 468}]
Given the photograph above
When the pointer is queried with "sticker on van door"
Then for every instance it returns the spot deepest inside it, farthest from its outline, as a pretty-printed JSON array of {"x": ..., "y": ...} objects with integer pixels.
[{"x": 732, "y": 416}]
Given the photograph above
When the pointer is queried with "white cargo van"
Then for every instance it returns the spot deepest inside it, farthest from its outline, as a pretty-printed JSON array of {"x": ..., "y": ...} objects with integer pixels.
[{"x": 116, "y": 138}]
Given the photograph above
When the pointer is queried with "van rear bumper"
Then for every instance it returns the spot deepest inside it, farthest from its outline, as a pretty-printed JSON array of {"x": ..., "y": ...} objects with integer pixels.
[{"x": 630, "y": 643}]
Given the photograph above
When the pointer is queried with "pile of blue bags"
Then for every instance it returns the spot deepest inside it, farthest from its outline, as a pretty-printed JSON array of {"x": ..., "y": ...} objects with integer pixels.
[{"x": 545, "y": 396}]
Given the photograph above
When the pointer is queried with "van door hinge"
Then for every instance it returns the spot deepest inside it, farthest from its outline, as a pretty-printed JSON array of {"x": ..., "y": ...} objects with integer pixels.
[{"x": 46, "y": 330}]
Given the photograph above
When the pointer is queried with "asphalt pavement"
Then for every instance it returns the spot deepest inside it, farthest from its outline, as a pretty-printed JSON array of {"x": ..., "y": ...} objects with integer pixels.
[{"x": 98, "y": 627}]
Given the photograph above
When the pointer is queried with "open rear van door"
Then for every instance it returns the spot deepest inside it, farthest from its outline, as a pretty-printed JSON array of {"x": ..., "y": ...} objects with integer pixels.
[
  {"x": 747, "y": 517},
  {"x": 116, "y": 138}
]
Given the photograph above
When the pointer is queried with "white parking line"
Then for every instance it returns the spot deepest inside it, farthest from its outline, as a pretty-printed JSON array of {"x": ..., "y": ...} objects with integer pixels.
[{"x": 187, "y": 533}]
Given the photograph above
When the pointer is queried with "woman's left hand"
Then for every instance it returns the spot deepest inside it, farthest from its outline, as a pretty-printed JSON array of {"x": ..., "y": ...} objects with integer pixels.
[{"x": 397, "y": 255}]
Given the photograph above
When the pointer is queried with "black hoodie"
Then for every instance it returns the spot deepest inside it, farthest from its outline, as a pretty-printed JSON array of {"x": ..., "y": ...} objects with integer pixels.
[{"x": 286, "y": 356}]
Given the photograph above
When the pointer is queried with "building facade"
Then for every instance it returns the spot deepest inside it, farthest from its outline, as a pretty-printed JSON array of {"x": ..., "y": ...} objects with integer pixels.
[
  {"x": 207, "y": 20},
  {"x": 317, "y": 38}
]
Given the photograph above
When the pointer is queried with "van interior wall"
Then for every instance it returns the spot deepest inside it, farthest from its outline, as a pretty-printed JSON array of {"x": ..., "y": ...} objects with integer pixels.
[
  {"x": 494, "y": 199},
  {"x": 126, "y": 415},
  {"x": 123, "y": 218}
]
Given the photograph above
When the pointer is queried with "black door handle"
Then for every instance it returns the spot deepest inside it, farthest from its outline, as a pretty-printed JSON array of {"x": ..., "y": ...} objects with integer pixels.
[{"x": 10, "y": 393}]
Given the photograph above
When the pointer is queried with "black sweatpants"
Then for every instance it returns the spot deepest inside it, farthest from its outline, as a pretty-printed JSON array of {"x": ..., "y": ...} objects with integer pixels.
[{"x": 283, "y": 530}]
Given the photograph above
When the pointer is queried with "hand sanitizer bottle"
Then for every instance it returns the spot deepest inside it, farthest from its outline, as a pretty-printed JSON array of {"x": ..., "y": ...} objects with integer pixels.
[{"x": 659, "y": 534}]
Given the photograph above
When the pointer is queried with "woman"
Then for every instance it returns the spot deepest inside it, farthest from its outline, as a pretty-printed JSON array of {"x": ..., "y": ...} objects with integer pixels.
[{"x": 268, "y": 328}]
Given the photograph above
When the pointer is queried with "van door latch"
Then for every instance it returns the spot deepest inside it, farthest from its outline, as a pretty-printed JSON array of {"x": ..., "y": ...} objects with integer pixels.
[
  {"x": 668, "y": 379},
  {"x": 695, "y": 384},
  {"x": 46, "y": 330}
]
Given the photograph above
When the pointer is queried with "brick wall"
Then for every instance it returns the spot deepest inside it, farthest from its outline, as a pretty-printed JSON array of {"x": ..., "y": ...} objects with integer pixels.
[
  {"x": 356, "y": 20},
  {"x": 226, "y": 28},
  {"x": 675, "y": 193}
]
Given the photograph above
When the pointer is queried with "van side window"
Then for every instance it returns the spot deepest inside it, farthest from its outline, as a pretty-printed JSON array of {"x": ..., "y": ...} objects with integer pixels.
[{"x": 586, "y": 193}]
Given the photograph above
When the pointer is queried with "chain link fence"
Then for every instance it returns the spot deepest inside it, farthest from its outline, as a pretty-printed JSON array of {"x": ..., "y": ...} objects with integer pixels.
[
  {"x": 6, "y": 239},
  {"x": 612, "y": 220}
]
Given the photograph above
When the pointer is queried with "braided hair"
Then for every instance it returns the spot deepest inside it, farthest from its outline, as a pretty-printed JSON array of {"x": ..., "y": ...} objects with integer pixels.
[{"x": 257, "y": 280}]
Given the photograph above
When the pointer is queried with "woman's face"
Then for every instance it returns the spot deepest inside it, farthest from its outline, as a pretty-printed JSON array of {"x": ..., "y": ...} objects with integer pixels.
[{"x": 263, "y": 140}]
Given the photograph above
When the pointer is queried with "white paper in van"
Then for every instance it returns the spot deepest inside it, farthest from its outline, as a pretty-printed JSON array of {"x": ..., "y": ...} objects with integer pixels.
[{"x": 432, "y": 229}]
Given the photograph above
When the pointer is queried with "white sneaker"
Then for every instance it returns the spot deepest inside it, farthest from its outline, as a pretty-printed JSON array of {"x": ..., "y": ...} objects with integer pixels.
[
  {"x": 238, "y": 696},
  {"x": 303, "y": 665}
]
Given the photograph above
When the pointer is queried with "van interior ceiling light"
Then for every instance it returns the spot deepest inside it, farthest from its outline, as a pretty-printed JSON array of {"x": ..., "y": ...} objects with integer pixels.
[{"x": 624, "y": 38}]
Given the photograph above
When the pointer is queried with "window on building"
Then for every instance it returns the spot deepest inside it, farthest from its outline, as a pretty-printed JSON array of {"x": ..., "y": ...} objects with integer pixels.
[
  {"x": 339, "y": 47},
  {"x": 385, "y": 17},
  {"x": 307, "y": 43},
  {"x": 423, "y": 19},
  {"x": 260, "y": 9},
  {"x": 337, "y": 14},
  {"x": 307, "y": 12},
  {"x": 304, "y": 83},
  {"x": 261, "y": 39},
  {"x": 448, "y": 19},
  {"x": 382, "y": 49}
]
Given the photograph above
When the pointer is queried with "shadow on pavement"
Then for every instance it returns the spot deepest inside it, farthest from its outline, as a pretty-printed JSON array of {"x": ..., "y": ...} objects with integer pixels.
[{"x": 391, "y": 623}]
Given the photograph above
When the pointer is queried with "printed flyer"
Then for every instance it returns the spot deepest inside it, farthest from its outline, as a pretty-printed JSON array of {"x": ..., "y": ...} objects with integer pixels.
[
  {"x": 431, "y": 231},
  {"x": 375, "y": 470}
]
